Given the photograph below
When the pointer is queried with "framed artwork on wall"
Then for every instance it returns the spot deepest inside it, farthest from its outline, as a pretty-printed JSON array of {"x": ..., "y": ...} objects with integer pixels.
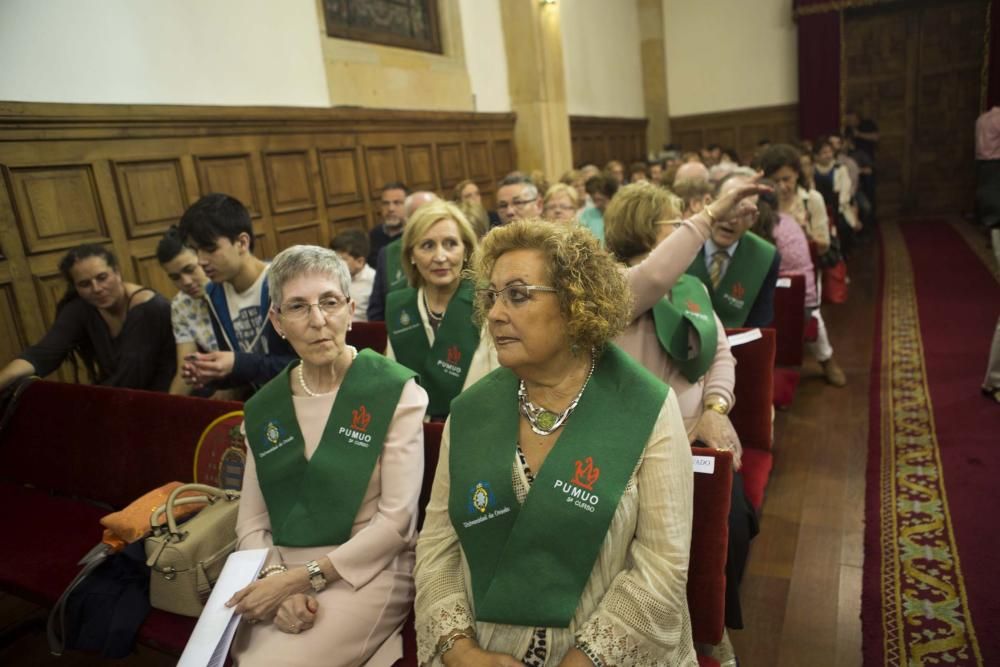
[{"x": 408, "y": 24}]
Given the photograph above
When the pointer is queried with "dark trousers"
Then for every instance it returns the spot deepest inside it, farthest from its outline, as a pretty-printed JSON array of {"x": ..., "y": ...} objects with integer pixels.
[{"x": 743, "y": 527}]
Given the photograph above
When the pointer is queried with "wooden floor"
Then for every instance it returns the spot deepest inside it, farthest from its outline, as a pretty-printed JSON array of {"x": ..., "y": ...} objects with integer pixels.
[{"x": 802, "y": 591}]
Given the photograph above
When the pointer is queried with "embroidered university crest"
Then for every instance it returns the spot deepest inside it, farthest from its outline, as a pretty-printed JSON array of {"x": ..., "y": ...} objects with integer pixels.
[
  {"x": 480, "y": 498},
  {"x": 404, "y": 319},
  {"x": 454, "y": 355},
  {"x": 360, "y": 419},
  {"x": 586, "y": 474},
  {"x": 738, "y": 290},
  {"x": 273, "y": 433}
]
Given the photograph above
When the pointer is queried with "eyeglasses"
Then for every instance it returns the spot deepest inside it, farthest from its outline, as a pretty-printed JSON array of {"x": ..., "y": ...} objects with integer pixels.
[
  {"x": 552, "y": 208},
  {"x": 513, "y": 295},
  {"x": 299, "y": 310},
  {"x": 516, "y": 203}
]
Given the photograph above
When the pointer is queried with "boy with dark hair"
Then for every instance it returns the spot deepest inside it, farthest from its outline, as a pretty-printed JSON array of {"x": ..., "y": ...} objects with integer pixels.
[
  {"x": 251, "y": 352},
  {"x": 352, "y": 247}
]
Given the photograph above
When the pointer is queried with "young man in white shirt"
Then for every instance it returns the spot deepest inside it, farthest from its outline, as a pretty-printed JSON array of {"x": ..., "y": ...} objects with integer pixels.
[
  {"x": 352, "y": 247},
  {"x": 250, "y": 351}
]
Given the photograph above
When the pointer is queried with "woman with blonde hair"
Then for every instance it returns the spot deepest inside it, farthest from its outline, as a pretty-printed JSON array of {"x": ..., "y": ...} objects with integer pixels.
[
  {"x": 559, "y": 526},
  {"x": 466, "y": 190},
  {"x": 675, "y": 334},
  {"x": 429, "y": 324},
  {"x": 560, "y": 204}
]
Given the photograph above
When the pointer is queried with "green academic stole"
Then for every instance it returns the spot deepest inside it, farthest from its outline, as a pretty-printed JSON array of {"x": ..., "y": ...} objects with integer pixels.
[
  {"x": 444, "y": 365},
  {"x": 531, "y": 562},
  {"x": 744, "y": 277},
  {"x": 314, "y": 502},
  {"x": 689, "y": 306},
  {"x": 394, "y": 277}
]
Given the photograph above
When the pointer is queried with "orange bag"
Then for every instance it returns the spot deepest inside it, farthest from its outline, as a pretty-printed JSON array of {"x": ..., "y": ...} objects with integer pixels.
[{"x": 132, "y": 523}]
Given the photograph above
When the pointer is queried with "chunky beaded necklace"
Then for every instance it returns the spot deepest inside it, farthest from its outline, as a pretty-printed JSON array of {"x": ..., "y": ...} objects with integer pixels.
[{"x": 545, "y": 422}]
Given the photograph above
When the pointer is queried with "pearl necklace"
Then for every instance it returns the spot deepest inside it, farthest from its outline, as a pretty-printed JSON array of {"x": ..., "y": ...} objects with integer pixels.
[
  {"x": 545, "y": 422},
  {"x": 305, "y": 387},
  {"x": 430, "y": 313}
]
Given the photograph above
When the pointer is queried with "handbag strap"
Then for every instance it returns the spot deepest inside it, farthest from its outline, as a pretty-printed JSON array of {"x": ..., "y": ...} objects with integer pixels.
[
  {"x": 154, "y": 518},
  {"x": 213, "y": 492},
  {"x": 55, "y": 627}
]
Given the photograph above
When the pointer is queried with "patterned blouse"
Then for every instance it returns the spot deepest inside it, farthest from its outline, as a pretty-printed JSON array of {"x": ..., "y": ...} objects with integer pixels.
[{"x": 192, "y": 323}]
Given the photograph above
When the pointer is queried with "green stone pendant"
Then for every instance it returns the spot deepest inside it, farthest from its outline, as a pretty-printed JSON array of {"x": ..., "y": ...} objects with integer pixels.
[{"x": 546, "y": 420}]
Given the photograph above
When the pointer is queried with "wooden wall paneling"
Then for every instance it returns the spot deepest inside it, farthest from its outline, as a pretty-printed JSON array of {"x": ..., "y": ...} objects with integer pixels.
[
  {"x": 231, "y": 174},
  {"x": 120, "y": 175},
  {"x": 50, "y": 288},
  {"x": 59, "y": 207},
  {"x": 419, "y": 167},
  {"x": 741, "y": 129},
  {"x": 152, "y": 194},
  {"x": 147, "y": 269},
  {"x": 503, "y": 158},
  {"x": 384, "y": 166},
  {"x": 451, "y": 161},
  {"x": 597, "y": 140}
]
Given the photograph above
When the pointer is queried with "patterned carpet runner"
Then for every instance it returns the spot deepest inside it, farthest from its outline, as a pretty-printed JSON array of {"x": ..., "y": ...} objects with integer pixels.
[{"x": 933, "y": 509}]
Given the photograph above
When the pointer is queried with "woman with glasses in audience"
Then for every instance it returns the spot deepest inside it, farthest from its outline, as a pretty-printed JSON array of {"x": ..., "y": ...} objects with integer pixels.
[
  {"x": 559, "y": 526},
  {"x": 119, "y": 331},
  {"x": 561, "y": 204},
  {"x": 675, "y": 334},
  {"x": 429, "y": 324},
  {"x": 332, "y": 484}
]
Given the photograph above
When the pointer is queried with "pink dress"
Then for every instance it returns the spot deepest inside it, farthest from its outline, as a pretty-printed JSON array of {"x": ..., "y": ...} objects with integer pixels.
[
  {"x": 361, "y": 614},
  {"x": 793, "y": 246}
]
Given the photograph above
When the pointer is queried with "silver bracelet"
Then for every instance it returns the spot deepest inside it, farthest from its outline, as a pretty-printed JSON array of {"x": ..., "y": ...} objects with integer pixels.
[{"x": 449, "y": 643}]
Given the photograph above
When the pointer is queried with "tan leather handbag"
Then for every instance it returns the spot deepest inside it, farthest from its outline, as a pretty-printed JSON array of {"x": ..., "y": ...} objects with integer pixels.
[{"x": 186, "y": 560}]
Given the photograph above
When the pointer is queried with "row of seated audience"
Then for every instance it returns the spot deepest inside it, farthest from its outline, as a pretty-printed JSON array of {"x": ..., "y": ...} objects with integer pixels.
[{"x": 501, "y": 324}]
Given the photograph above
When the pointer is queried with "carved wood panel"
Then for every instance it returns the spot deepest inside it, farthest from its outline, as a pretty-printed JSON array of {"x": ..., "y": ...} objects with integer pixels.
[
  {"x": 598, "y": 140},
  {"x": 740, "y": 130},
  {"x": 503, "y": 158},
  {"x": 231, "y": 174},
  {"x": 12, "y": 337},
  {"x": 289, "y": 186},
  {"x": 453, "y": 167},
  {"x": 479, "y": 160},
  {"x": 306, "y": 235},
  {"x": 419, "y": 167},
  {"x": 383, "y": 167},
  {"x": 914, "y": 69},
  {"x": 59, "y": 206},
  {"x": 152, "y": 194},
  {"x": 341, "y": 176},
  {"x": 343, "y": 224}
]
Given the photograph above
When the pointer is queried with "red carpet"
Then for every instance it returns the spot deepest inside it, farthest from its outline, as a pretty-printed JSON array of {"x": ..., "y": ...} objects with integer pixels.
[{"x": 930, "y": 583}]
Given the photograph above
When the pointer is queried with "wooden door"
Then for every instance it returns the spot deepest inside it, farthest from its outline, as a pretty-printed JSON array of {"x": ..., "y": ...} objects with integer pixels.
[{"x": 914, "y": 69}]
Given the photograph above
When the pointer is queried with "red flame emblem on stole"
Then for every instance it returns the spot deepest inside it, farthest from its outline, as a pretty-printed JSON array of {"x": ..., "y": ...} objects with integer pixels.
[
  {"x": 586, "y": 474},
  {"x": 693, "y": 307},
  {"x": 454, "y": 355},
  {"x": 738, "y": 290},
  {"x": 360, "y": 419}
]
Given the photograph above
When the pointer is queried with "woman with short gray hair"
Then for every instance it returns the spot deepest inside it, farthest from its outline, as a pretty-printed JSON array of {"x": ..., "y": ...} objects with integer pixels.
[{"x": 332, "y": 485}]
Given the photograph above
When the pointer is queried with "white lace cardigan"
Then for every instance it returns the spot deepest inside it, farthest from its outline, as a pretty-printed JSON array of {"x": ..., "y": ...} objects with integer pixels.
[{"x": 633, "y": 610}]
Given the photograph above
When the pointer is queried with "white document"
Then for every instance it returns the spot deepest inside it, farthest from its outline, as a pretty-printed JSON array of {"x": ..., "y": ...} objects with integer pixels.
[
  {"x": 704, "y": 464},
  {"x": 209, "y": 643},
  {"x": 744, "y": 337},
  {"x": 783, "y": 282}
]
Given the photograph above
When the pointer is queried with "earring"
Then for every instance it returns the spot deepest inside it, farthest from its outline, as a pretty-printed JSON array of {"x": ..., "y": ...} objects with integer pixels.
[{"x": 349, "y": 326}]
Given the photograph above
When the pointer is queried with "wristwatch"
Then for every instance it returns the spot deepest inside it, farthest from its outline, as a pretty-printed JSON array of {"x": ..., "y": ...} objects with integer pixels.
[
  {"x": 717, "y": 404},
  {"x": 316, "y": 578}
]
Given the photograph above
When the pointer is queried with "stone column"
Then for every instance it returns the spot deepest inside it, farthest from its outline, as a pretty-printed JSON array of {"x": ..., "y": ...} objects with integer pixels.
[
  {"x": 537, "y": 84},
  {"x": 654, "y": 73}
]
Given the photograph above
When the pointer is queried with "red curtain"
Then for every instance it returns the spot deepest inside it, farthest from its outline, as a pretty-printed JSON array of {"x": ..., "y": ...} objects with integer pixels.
[{"x": 819, "y": 67}]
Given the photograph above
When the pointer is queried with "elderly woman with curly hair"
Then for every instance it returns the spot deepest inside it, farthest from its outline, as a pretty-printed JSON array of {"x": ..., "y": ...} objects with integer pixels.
[{"x": 559, "y": 526}]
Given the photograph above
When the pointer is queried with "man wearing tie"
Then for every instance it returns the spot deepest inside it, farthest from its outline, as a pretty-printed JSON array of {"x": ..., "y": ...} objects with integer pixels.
[{"x": 738, "y": 267}]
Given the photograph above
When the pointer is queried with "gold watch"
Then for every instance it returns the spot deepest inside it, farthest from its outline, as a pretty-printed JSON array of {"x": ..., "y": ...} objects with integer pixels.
[{"x": 717, "y": 404}]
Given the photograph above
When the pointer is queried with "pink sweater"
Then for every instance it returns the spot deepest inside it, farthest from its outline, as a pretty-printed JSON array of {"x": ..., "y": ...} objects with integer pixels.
[
  {"x": 793, "y": 246},
  {"x": 650, "y": 281}
]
